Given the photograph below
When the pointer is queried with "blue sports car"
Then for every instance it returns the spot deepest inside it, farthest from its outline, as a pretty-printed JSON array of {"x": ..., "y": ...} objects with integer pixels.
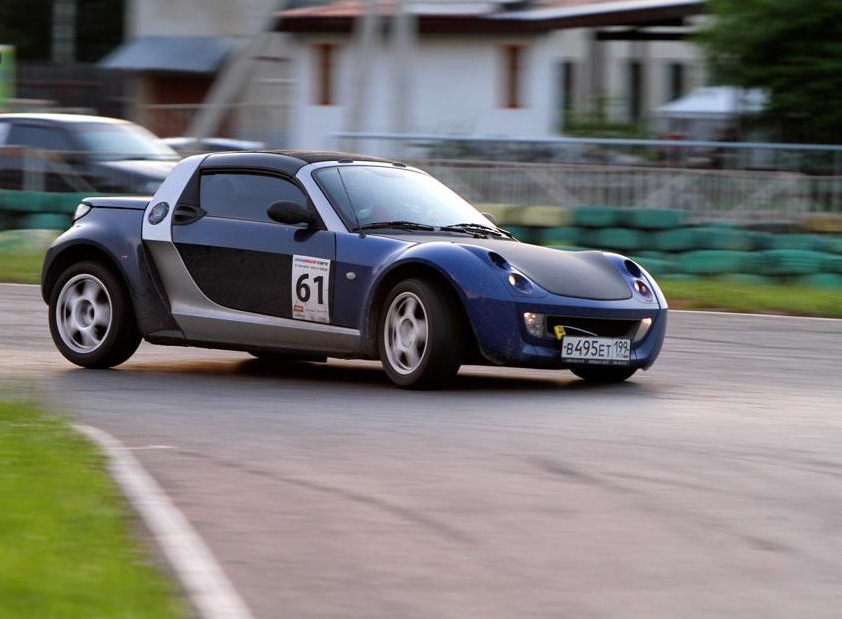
[{"x": 309, "y": 255}]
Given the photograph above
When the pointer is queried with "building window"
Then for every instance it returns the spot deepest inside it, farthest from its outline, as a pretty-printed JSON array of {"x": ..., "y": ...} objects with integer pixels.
[
  {"x": 512, "y": 69},
  {"x": 635, "y": 90},
  {"x": 676, "y": 77},
  {"x": 324, "y": 59},
  {"x": 568, "y": 84}
]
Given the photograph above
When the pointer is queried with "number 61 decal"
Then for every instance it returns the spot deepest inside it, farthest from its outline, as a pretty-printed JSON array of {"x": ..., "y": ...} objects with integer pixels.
[{"x": 310, "y": 288}]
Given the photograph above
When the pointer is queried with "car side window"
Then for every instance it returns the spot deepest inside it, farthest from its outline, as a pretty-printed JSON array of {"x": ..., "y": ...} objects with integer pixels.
[
  {"x": 245, "y": 195},
  {"x": 36, "y": 136}
]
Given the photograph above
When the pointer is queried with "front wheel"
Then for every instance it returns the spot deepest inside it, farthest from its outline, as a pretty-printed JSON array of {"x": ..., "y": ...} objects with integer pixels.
[
  {"x": 419, "y": 336},
  {"x": 603, "y": 375},
  {"x": 91, "y": 317}
]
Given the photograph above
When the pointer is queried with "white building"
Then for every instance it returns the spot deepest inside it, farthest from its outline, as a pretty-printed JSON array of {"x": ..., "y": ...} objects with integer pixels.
[{"x": 492, "y": 68}]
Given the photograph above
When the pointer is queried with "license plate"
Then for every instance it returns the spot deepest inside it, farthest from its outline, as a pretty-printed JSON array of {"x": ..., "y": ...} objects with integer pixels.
[{"x": 597, "y": 350}]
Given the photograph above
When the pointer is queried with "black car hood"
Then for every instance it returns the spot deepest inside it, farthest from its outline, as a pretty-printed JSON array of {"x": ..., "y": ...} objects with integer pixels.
[{"x": 581, "y": 274}]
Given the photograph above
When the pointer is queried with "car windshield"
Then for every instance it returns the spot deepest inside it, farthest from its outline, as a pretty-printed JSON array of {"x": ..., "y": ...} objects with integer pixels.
[
  {"x": 366, "y": 196},
  {"x": 110, "y": 141}
]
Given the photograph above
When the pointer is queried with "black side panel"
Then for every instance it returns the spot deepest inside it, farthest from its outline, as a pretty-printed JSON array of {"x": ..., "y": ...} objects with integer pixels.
[{"x": 251, "y": 281}]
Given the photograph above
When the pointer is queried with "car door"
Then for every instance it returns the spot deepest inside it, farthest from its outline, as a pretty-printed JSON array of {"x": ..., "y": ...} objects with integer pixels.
[{"x": 241, "y": 278}]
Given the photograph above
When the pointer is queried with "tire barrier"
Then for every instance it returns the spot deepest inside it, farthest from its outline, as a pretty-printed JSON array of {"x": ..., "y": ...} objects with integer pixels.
[
  {"x": 662, "y": 240},
  {"x": 34, "y": 210},
  {"x": 669, "y": 246}
]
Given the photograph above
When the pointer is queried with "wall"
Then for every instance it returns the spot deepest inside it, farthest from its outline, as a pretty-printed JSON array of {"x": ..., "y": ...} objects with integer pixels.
[
  {"x": 576, "y": 46},
  {"x": 195, "y": 17},
  {"x": 455, "y": 87}
]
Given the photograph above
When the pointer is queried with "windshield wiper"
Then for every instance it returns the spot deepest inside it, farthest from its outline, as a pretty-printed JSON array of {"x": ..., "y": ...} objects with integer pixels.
[
  {"x": 476, "y": 229},
  {"x": 399, "y": 224}
]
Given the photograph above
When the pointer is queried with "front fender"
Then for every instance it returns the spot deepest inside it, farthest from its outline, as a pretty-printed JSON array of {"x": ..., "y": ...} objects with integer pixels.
[{"x": 483, "y": 292}]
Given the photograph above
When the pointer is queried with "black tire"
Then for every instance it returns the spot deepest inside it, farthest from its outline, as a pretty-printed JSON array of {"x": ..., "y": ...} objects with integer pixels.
[
  {"x": 91, "y": 317},
  {"x": 420, "y": 343},
  {"x": 603, "y": 375}
]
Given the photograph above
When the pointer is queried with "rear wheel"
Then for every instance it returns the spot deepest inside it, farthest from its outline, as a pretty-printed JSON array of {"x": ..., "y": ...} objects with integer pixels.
[
  {"x": 91, "y": 317},
  {"x": 419, "y": 336},
  {"x": 604, "y": 375}
]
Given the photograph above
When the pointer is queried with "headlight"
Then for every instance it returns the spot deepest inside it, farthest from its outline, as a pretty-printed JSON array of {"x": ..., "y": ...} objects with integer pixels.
[
  {"x": 81, "y": 210},
  {"x": 535, "y": 323},
  {"x": 643, "y": 289},
  {"x": 520, "y": 283}
]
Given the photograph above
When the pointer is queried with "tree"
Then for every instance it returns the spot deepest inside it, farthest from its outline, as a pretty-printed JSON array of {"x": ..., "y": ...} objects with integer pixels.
[
  {"x": 790, "y": 48},
  {"x": 27, "y": 24}
]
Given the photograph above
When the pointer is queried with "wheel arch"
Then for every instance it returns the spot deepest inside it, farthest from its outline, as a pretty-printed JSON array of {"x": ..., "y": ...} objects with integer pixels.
[
  {"x": 72, "y": 254},
  {"x": 418, "y": 270},
  {"x": 135, "y": 272}
]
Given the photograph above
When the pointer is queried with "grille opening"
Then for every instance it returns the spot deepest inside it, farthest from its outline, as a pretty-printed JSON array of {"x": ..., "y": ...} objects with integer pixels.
[{"x": 593, "y": 326}]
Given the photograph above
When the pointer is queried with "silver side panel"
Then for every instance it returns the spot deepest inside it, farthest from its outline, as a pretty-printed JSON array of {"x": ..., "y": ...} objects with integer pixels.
[{"x": 204, "y": 321}]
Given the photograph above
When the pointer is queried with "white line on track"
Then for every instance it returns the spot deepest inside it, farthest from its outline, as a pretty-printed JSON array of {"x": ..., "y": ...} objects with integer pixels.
[{"x": 203, "y": 579}]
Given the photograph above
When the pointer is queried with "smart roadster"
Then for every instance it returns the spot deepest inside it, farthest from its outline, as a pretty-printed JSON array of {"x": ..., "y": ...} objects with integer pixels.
[{"x": 309, "y": 255}]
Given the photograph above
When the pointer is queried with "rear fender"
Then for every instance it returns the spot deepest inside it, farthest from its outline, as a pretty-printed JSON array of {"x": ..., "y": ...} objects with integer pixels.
[{"x": 112, "y": 236}]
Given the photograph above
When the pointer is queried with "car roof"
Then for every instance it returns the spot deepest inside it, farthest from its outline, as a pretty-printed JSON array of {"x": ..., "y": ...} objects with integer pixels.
[
  {"x": 288, "y": 161},
  {"x": 62, "y": 118},
  {"x": 318, "y": 156}
]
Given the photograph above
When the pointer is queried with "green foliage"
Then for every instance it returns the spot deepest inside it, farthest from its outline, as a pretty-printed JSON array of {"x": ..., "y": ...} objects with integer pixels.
[
  {"x": 66, "y": 548},
  {"x": 790, "y": 48},
  {"x": 27, "y": 24}
]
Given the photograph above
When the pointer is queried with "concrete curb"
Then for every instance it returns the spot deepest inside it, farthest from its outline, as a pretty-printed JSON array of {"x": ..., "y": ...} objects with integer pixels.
[{"x": 203, "y": 579}]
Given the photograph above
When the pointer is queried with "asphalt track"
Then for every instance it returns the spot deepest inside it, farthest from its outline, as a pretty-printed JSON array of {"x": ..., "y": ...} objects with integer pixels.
[{"x": 710, "y": 486}]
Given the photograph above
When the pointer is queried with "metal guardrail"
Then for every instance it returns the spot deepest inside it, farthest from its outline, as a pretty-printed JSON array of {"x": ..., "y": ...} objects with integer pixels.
[
  {"x": 709, "y": 181},
  {"x": 739, "y": 196},
  {"x": 673, "y": 153}
]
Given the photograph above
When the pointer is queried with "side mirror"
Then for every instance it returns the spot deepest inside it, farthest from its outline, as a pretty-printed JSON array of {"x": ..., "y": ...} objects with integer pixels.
[
  {"x": 490, "y": 218},
  {"x": 290, "y": 213}
]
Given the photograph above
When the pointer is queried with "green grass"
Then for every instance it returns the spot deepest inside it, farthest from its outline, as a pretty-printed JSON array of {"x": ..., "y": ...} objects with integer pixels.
[
  {"x": 21, "y": 266},
  {"x": 752, "y": 298},
  {"x": 67, "y": 550}
]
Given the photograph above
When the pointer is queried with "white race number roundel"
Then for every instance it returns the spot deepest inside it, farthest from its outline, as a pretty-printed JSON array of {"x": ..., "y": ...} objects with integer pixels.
[{"x": 310, "y": 288}]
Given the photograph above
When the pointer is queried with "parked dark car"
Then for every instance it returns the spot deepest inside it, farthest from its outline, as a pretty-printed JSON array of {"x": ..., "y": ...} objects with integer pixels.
[{"x": 68, "y": 152}]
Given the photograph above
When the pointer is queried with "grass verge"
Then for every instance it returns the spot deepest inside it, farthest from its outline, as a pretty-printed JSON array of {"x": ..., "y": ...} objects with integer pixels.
[
  {"x": 66, "y": 545},
  {"x": 753, "y": 298},
  {"x": 21, "y": 266}
]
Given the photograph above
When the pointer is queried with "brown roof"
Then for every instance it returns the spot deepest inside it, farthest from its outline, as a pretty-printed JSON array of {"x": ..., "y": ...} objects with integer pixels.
[{"x": 535, "y": 16}]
